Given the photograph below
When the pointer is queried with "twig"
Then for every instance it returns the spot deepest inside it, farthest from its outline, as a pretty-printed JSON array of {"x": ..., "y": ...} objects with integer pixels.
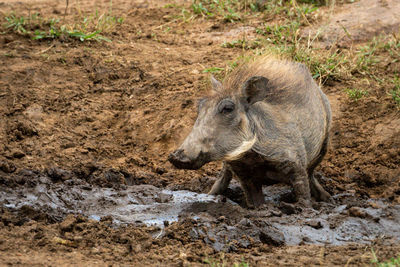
[
  {"x": 47, "y": 49},
  {"x": 65, "y": 11},
  {"x": 160, "y": 234},
  {"x": 294, "y": 3},
  {"x": 162, "y": 25}
]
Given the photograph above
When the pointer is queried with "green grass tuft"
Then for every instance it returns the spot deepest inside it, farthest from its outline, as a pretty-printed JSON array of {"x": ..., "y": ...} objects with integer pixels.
[
  {"x": 227, "y": 10},
  {"x": 85, "y": 28},
  {"x": 213, "y": 70},
  {"x": 356, "y": 94},
  {"x": 17, "y": 24}
]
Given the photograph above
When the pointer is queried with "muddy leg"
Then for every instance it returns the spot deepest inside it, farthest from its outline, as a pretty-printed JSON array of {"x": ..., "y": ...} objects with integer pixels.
[
  {"x": 318, "y": 191},
  {"x": 298, "y": 177},
  {"x": 301, "y": 187},
  {"x": 253, "y": 193},
  {"x": 222, "y": 182}
]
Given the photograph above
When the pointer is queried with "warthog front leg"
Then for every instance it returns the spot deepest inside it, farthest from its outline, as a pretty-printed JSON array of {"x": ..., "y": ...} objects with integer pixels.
[
  {"x": 299, "y": 179},
  {"x": 252, "y": 192},
  {"x": 222, "y": 182}
]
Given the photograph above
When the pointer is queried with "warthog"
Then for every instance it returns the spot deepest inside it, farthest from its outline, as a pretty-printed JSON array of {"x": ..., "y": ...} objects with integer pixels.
[{"x": 268, "y": 122}]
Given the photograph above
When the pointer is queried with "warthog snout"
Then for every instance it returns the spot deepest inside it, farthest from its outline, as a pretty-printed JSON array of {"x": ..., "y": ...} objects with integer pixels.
[{"x": 180, "y": 160}]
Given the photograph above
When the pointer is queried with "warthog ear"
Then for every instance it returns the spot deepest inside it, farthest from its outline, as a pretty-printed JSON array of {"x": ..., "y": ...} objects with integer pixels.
[
  {"x": 255, "y": 89},
  {"x": 215, "y": 84}
]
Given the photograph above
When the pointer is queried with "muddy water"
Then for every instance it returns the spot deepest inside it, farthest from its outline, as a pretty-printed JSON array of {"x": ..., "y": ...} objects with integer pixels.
[
  {"x": 218, "y": 221},
  {"x": 140, "y": 204}
]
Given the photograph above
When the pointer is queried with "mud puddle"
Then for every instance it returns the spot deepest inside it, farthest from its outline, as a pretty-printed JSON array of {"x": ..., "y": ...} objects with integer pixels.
[
  {"x": 140, "y": 204},
  {"x": 218, "y": 221}
]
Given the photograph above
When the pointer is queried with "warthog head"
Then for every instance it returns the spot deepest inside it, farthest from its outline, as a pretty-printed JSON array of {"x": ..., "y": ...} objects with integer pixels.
[{"x": 223, "y": 130}]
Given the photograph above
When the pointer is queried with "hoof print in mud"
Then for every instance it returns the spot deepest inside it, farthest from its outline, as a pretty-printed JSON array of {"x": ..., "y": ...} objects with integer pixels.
[{"x": 267, "y": 127}]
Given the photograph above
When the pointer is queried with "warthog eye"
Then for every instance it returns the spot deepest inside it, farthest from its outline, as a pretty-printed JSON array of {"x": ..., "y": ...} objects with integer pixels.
[{"x": 226, "y": 106}]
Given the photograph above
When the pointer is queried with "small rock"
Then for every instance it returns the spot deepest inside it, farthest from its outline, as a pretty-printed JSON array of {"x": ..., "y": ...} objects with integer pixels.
[
  {"x": 315, "y": 224},
  {"x": 57, "y": 174},
  {"x": 245, "y": 222},
  {"x": 375, "y": 205},
  {"x": 160, "y": 170},
  {"x": 7, "y": 166},
  {"x": 287, "y": 208},
  {"x": 272, "y": 237},
  {"x": 357, "y": 212},
  {"x": 106, "y": 219},
  {"x": 80, "y": 218},
  {"x": 221, "y": 218},
  {"x": 68, "y": 223},
  {"x": 276, "y": 213},
  {"x": 34, "y": 112},
  {"x": 18, "y": 154},
  {"x": 163, "y": 198}
]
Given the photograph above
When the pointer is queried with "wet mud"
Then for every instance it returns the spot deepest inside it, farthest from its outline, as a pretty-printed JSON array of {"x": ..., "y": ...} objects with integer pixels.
[{"x": 217, "y": 220}]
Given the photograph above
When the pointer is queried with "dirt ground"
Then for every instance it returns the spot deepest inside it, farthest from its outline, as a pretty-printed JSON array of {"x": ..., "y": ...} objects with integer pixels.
[{"x": 104, "y": 116}]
